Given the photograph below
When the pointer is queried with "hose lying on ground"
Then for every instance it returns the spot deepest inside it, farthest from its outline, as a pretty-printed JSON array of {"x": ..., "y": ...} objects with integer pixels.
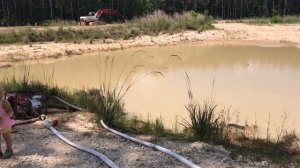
[
  {"x": 157, "y": 147},
  {"x": 110, "y": 163},
  {"x": 145, "y": 143},
  {"x": 41, "y": 117},
  {"x": 66, "y": 103}
]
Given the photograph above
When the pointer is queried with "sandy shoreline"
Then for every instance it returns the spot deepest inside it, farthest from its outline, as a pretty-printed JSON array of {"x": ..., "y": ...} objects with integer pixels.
[
  {"x": 225, "y": 33},
  {"x": 36, "y": 146}
]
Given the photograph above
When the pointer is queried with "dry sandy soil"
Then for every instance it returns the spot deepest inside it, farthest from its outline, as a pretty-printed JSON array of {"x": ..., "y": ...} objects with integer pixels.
[
  {"x": 36, "y": 146},
  {"x": 237, "y": 33}
]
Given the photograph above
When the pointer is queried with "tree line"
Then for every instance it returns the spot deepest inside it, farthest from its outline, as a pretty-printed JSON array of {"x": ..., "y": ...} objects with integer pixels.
[{"x": 23, "y": 12}]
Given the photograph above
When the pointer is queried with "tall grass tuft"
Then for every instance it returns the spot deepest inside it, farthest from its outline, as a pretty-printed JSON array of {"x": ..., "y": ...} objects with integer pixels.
[
  {"x": 113, "y": 91},
  {"x": 146, "y": 127},
  {"x": 204, "y": 122},
  {"x": 159, "y": 129},
  {"x": 111, "y": 109},
  {"x": 160, "y": 22}
]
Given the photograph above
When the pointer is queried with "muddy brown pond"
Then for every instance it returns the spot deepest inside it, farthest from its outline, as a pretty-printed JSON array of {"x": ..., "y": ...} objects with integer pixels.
[{"x": 259, "y": 84}]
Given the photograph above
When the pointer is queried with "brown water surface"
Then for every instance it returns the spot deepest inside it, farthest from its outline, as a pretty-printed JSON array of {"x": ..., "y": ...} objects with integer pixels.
[{"x": 254, "y": 81}]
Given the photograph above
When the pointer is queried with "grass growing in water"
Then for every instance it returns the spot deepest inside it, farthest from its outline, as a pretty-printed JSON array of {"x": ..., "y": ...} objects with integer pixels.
[{"x": 204, "y": 121}]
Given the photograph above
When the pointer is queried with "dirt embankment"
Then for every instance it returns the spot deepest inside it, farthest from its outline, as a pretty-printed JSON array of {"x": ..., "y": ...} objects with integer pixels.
[
  {"x": 36, "y": 146},
  {"x": 237, "y": 33}
]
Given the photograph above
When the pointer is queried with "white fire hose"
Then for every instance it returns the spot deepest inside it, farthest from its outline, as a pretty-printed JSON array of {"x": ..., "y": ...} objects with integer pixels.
[
  {"x": 145, "y": 143},
  {"x": 66, "y": 103},
  {"x": 151, "y": 145},
  {"x": 110, "y": 163}
]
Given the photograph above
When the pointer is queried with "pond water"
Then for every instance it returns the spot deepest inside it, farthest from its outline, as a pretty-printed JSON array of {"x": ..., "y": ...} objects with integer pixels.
[{"x": 260, "y": 84}]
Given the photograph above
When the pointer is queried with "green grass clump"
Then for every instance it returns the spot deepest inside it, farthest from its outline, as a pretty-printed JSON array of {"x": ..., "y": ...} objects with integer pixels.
[
  {"x": 10, "y": 38},
  {"x": 291, "y": 19},
  {"x": 159, "y": 129},
  {"x": 281, "y": 153},
  {"x": 111, "y": 109},
  {"x": 257, "y": 21},
  {"x": 26, "y": 85},
  {"x": 273, "y": 20},
  {"x": 138, "y": 126},
  {"x": 160, "y": 22},
  {"x": 276, "y": 19},
  {"x": 58, "y": 22},
  {"x": 146, "y": 126},
  {"x": 204, "y": 121}
]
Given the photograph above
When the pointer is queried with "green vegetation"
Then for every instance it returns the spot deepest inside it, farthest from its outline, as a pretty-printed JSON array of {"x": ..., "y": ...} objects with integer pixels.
[
  {"x": 273, "y": 20},
  {"x": 132, "y": 124},
  {"x": 154, "y": 24},
  {"x": 204, "y": 123},
  {"x": 28, "y": 86},
  {"x": 59, "y": 22},
  {"x": 160, "y": 22},
  {"x": 280, "y": 152},
  {"x": 207, "y": 123}
]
